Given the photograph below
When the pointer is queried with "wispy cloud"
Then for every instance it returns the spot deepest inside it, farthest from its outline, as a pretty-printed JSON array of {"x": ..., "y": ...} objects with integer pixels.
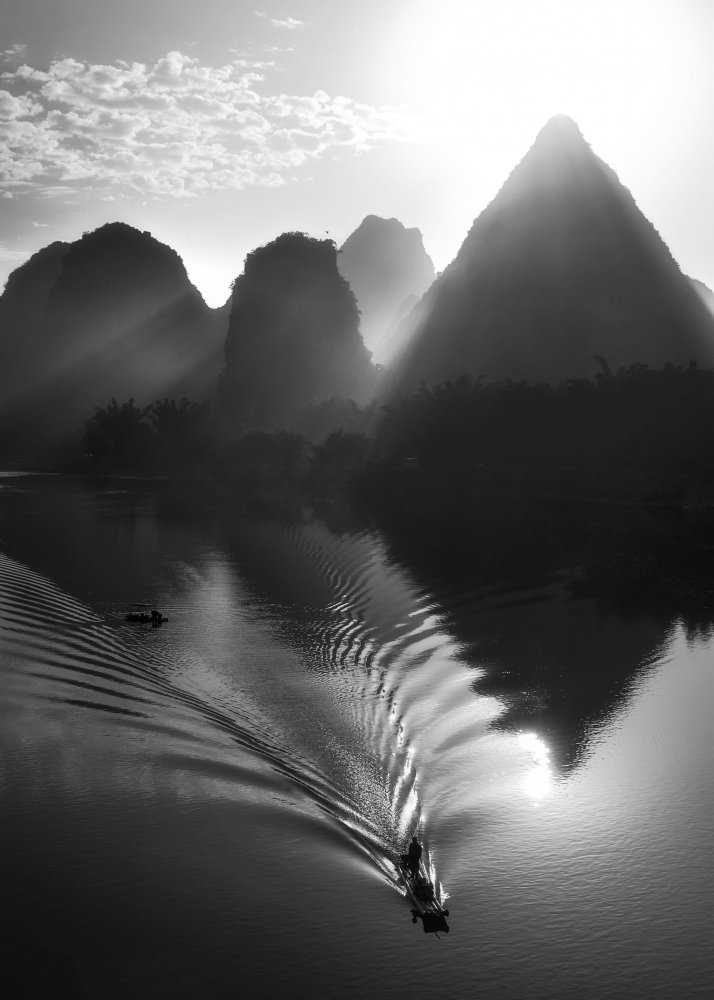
[
  {"x": 16, "y": 51},
  {"x": 290, "y": 23},
  {"x": 177, "y": 127}
]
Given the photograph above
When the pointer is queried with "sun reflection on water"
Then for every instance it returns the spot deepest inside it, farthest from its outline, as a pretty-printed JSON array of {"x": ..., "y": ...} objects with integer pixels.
[
  {"x": 406, "y": 811},
  {"x": 538, "y": 781}
]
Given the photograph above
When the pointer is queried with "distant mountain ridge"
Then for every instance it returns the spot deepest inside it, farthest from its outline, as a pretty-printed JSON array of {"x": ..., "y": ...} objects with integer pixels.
[
  {"x": 113, "y": 314},
  {"x": 388, "y": 270},
  {"x": 559, "y": 268}
]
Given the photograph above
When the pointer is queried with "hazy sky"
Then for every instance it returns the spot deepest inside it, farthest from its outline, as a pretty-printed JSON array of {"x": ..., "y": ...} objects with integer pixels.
[{"x": 218, "y": 124}]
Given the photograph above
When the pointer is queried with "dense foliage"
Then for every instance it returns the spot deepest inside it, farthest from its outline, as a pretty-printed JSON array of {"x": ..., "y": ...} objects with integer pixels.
[
  {"x": 164, "y": 435},
  {"x": 179, "y": 438},
  {"x": 656, "y": 421},
  {"x": 637, "y": 418}
]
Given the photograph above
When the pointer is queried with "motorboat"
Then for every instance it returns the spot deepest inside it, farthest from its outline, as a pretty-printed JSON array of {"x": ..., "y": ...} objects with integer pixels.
[{"x": 422, "y": 894}]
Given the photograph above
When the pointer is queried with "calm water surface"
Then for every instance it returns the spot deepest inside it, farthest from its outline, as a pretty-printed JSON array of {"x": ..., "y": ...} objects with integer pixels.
[{"x": 212, "y": 807}]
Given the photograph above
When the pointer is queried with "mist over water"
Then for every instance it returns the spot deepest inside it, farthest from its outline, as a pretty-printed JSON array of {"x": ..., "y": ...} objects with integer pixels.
[{"x": 215, "y": 804}]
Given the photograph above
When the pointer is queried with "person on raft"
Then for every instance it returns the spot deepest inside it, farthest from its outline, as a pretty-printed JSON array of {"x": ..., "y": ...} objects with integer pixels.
[{"x": 414, "y": 856}]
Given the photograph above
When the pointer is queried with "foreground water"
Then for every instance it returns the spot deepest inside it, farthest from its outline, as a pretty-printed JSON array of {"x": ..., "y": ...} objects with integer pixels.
[{"x": 212, "y": 807}]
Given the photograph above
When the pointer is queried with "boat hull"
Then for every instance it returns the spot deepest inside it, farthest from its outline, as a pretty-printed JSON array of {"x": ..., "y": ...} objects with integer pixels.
[{"x": 423, "y": 898}]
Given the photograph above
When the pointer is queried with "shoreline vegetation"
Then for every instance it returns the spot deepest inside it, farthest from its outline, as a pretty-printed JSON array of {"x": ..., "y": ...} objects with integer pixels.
[{"x": 640, "y": 437}]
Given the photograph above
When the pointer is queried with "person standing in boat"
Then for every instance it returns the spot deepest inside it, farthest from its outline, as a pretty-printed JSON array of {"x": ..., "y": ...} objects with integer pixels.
[{"x": 414, "y": 855}]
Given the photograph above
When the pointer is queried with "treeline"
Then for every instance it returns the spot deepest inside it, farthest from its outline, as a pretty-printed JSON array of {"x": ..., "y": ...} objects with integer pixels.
[
  {"x": 164, "y": 435},
  {"x": 636, "y": 418},
  {"x": 186, "y": 438}
]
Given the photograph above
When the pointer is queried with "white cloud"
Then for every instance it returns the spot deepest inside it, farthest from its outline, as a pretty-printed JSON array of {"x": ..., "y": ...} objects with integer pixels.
[
  {"x": 175, "y": 128},
  {"x": 291, "y": 23},
  {"x": 17, "y": 107}
]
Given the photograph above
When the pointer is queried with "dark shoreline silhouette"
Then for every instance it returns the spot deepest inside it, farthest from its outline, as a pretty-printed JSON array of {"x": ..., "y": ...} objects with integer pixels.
[{"x": 640, "y": 436}]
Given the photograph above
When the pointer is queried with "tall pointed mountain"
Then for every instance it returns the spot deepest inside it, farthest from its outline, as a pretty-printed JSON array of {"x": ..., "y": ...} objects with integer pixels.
[
  {"x": 388, "y": 270},
  {"x": 561, "y": 267},
  {"x": 293, "y": 336},
  {"x": 113, "y": 314}
]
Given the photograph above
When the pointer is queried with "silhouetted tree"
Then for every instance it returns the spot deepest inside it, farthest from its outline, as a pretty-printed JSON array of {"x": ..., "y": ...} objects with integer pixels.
[
  {"x": 119, "y": 433},
  {"x": 182, "y": 431}
]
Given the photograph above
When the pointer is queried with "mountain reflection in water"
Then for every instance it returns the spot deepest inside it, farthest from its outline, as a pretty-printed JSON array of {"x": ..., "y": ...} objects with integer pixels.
[
  {"x": 560, "y": 607},
  {"x": 528, "y": 685}
]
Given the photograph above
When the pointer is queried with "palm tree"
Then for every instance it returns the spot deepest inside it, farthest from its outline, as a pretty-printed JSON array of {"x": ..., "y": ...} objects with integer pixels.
[{"x": 119, "y": 433}]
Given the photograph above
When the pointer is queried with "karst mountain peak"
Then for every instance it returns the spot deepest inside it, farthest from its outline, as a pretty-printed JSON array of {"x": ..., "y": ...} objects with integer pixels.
[{"x": 560, "y": 268}]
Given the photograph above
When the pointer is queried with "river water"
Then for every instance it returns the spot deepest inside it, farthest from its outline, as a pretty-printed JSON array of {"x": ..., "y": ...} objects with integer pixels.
[{"x": 211, "y": 808}]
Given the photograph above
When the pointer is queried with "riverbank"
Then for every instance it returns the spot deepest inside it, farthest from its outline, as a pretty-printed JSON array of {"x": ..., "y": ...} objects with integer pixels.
[{"x": 446, "y": 489}]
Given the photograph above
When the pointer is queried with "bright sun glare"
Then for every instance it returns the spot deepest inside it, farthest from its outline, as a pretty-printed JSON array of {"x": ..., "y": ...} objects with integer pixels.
[
  {"x": 538, "y": 781},
  {"x": 509, "y": 65}
]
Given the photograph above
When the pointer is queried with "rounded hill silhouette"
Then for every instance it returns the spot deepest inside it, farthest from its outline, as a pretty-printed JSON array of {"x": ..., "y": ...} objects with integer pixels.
[
  {"x": 293, "y": 335},
  {"x": 112, "y": 314}
]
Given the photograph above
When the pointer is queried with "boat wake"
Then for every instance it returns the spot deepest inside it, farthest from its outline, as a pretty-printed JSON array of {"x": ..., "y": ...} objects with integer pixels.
[
  {"x": 55, "y": 650},
  {"x": 338, "y": 694}
]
